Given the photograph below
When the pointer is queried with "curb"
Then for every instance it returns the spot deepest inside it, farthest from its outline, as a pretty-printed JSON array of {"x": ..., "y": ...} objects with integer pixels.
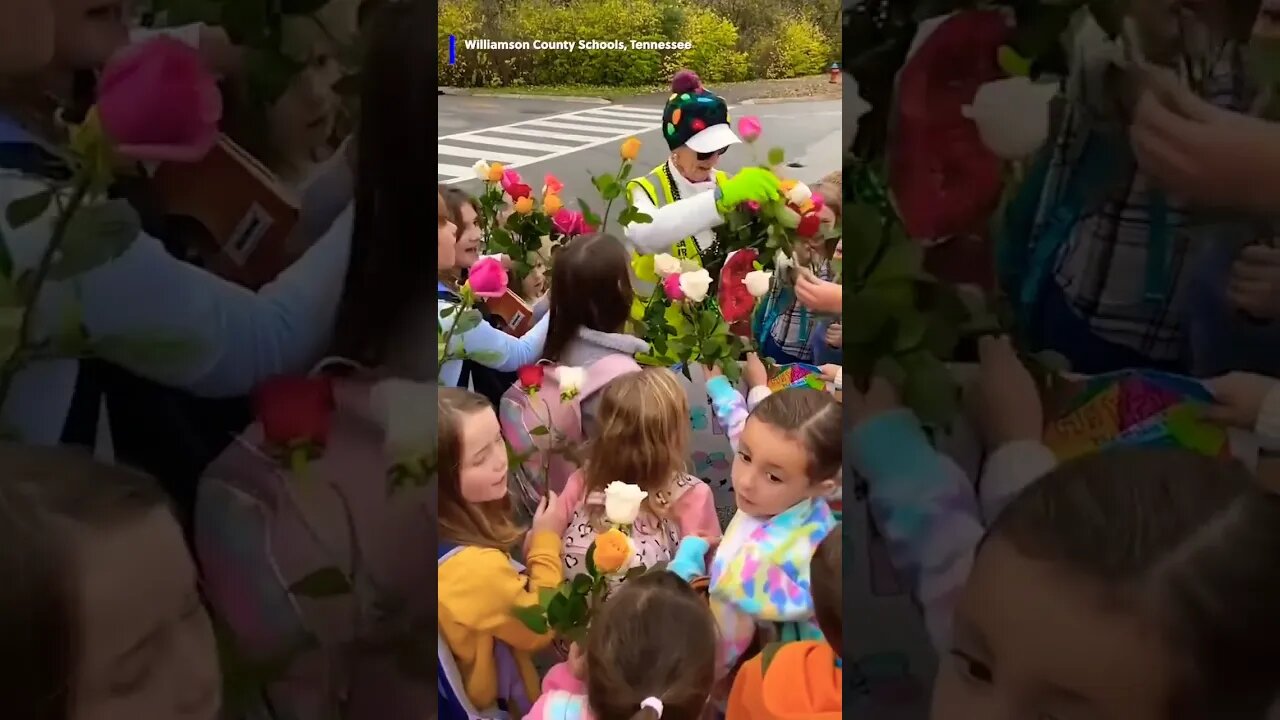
[{"x": 779, "y": 101}]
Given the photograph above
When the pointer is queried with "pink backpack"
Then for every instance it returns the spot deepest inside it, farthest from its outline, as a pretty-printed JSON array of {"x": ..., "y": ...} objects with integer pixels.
[
  {"x": 540, "y": 429},
  {"x": 274, "y": 550}
]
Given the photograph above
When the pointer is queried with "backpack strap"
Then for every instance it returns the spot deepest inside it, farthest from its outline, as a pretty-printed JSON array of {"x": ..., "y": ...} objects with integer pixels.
[
  {"x": 767, "y": 655},
  {"x": 446, "y": 550},
  {"x": 604, "y": 370}
]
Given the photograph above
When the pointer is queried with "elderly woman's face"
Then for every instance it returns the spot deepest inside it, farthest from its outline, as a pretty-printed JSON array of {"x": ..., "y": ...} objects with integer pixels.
[{"x": 696, "y": 167}]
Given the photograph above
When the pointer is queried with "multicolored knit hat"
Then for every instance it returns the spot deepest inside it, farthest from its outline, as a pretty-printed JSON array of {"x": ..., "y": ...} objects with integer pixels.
[{"x": 696, "y": 117}]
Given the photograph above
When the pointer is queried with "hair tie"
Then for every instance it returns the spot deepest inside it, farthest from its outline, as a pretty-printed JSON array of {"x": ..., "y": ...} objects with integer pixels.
[{"x": 653, "y": 704}]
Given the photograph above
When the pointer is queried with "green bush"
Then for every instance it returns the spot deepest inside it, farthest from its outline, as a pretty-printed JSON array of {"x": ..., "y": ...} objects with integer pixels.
[
  {"x": 797, "y": 48},
  {"x": 714, "y": 55},
  {"x": 463, "y": 19},
  {"x": 601, "y": 20}
]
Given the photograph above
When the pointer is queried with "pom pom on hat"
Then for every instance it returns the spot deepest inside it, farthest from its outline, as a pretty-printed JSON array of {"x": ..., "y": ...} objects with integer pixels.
[{"x": 685, "y": 81}]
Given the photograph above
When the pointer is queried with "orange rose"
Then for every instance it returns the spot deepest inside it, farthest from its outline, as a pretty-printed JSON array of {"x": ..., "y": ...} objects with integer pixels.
[
  {"x": 524, "y": 205},
  {"x": 551, "y": 204},
  {"x": 495, "y": 172},
  {"x": 613, "y": 550},
  {"x": 786, "y": 186},
  {"x": 630, "y": 149}
]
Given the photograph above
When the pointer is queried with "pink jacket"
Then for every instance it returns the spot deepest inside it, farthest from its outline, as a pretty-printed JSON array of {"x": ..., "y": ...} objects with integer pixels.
[{"x": 564, "y": 697}]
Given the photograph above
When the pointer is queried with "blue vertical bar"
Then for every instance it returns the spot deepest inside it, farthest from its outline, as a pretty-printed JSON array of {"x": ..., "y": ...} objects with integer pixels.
[{"x": 453, "y": 49}]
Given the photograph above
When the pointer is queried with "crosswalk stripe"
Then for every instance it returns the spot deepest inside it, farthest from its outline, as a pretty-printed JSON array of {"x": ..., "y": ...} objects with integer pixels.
[
  {"x": 542, "y": 133},
  {"x": 629, "y": 113},
  {"x": 508, "y": 142},
  {"x": 609, "y": 132},
  {"x": 616, "y": 122},
  {"x": 483, "y": 154},
  {"x": 454, "y": 171},
  {"x": 589, "y": 128}
]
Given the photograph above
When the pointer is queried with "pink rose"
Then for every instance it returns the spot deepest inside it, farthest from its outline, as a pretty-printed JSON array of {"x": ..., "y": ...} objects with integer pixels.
[
  {"x": 569, "y": 223},
  {"x": 671, "y": 286},
  {"x": 157, "y": 102},
  {"x": 749, "y": 128},
  {"x": 510, "y": 178},
  {"x": 818, "y": 201},
  {"x": 752, "y": 206},
  {"x": 488, "y": 278}
]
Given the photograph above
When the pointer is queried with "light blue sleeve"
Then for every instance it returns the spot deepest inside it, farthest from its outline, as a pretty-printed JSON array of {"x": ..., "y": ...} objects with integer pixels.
[
  {"x": 925, "y": 507},
  {"x": 229, "y": 338},
  {"x": 690, "y": 560},
  {"x": 729, "y": 406},
  {"x": 511, "y": 353}
]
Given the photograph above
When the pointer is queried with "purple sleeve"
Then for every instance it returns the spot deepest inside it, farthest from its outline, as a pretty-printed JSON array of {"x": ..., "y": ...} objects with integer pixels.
[{"x": 729, "y": 406}]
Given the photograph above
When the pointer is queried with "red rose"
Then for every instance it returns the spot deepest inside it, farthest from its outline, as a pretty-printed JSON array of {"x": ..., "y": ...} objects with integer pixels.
[
  {"x": 736, "y": 302},
  {"x": 519, "y": 190},
  {"x": 295, "y": 412},
  {"x": 944, "y": 178},
  {"x": 530, "y": 377},
  {"x": 809, "y": 225}
]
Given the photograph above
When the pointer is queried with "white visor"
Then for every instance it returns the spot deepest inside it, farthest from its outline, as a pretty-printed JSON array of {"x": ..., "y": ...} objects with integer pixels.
[{"x": 716, "y": 137}]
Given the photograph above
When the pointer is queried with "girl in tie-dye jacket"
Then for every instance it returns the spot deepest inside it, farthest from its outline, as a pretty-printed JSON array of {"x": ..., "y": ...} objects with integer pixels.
[{"x": 786, "y": 464}]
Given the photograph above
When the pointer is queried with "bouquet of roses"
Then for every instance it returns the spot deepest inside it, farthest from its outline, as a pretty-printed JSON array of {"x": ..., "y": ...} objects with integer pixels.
[
  {"x": 567, "y": 610},
  {"x": 515, "y": 224}
]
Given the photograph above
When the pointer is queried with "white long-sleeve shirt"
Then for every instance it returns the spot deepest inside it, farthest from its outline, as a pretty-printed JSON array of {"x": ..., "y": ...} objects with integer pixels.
[{"x": 694, "y": 214}]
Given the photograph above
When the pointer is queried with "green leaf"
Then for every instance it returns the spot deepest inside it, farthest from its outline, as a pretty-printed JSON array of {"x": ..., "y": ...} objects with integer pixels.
[
  {"x": 95, "y": 235},
  {"x": 639, "y": 217},
  {"x": 467, "y": 321},
  {"x": 539, "y": 431},
  {"x": 930, "y": 390},
  {"x": 582, "y": 584},
  {"x": 902, "y": 260},
  {"x": 911, "y": 332},
  {"x": 863, "y": 227},
  {"x": 323, "y": 583},
  {"x": 531, "y": 617},
  {"x": 448, "y": 311},
  {"x": 558, "y": 611},
  {"x": 488, "y": 358},
  {"x": 591, "y": 218},
  {"x": 777, "y": 156},
  {"x": 576, "y": 609},
  {"x": 25, "y": 210}
]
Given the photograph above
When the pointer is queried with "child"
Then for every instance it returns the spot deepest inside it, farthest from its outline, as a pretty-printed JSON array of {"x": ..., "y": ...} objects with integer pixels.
[
  {"x": 783, "y": 325},
  {"x": 828, "y": 335},
  {"x": 1155, "y": 565},
  {"x": 642, "y": 439},
  {"x": 786, "y": 465},
  {"x": 479, "y": 583},
  {"x": 102, "y": 613},
  {"x": 801, "y": 679},
  {"x": 632, "y": 670}
]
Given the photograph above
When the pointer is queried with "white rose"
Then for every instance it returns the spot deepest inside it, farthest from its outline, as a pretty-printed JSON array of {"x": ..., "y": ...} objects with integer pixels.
[
  {"x": 799, "y": 194},
  {"x": 407, "y": 412},
  {"x": 782, "y": 261},
  {"x": 695, "y": 284},
  {"x": 664, "y": 265},
  {"x": 570, "y": 380},
  {"x": 757, "y": 282},
  {"x": 689, "y": 265},
  {"x": 481, "y": 170},
  {"x": 1012, "y": 116},
  {"x": 622, "y": 502}
]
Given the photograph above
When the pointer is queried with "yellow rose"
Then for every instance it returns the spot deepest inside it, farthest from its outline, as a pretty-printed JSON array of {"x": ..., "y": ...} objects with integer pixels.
[
  {"x": 630, "y": 149},
  {"x": 551, "y": 204},
  {"x": 613, "y": 550},
  {"x": 524, "y": 205},
  {"x": 786, "y": 186},
  {"x": 495, "y": 172}
]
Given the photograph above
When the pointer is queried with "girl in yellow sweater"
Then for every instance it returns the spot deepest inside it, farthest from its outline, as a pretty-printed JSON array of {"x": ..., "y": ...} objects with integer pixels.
[{"x": 479, "y": 583}]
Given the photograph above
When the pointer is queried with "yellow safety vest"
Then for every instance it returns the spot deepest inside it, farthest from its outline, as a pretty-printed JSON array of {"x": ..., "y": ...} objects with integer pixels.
[{"x": 686, "y": 249}]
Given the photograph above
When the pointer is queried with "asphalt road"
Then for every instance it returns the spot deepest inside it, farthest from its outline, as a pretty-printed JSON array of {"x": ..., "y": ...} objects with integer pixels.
[{"x": 573, "y": 140}]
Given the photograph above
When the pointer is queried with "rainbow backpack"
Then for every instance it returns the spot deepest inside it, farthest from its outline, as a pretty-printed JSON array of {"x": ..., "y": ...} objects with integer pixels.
[
  {"x": 278, "y": 555},
  {"x": 542, "y": 431}
]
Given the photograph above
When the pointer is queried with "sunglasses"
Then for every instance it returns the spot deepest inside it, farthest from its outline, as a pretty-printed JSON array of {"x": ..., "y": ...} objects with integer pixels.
[{"x": 709, "y": 155}]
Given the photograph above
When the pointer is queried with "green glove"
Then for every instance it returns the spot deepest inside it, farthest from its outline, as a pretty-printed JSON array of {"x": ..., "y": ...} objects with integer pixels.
[{"x": 752, "y": 183}]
